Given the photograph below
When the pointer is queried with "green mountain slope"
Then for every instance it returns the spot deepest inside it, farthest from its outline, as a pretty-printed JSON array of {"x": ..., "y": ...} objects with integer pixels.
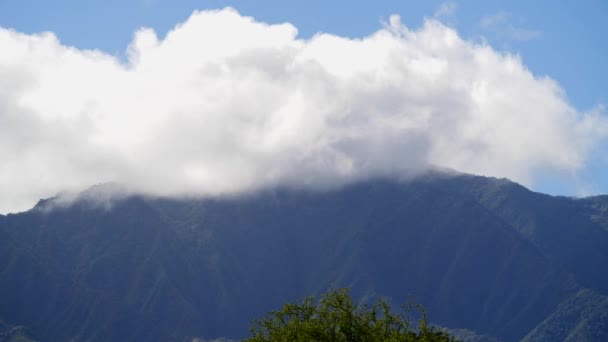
[{"x": 481, "y": 254}]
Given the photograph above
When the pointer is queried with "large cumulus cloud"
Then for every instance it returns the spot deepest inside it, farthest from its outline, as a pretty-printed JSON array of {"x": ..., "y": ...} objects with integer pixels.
[{"x": 225, "y": 104}]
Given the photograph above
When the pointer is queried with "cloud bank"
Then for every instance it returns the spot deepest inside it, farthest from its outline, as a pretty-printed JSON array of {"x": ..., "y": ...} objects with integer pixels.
[{"x": 225, "y": 104}]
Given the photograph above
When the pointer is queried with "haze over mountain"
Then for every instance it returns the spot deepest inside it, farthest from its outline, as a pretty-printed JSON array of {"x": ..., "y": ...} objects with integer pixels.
[{"x": 483, "y": 255}]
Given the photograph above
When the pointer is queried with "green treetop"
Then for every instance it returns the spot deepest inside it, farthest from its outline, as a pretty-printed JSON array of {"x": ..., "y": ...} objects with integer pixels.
[{"x": 334, "y": 317}]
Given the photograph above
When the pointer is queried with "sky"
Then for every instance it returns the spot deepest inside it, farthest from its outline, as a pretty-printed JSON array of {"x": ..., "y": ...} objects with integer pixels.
[{"x": 191, "y": 98}]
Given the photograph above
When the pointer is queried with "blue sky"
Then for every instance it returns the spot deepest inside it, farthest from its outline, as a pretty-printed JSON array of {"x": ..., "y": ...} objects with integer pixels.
[{"x": 562, "y": 40}]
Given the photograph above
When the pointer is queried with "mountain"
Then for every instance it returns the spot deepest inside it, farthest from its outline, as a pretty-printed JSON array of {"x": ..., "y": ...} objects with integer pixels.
[
  {"x": 9, "y": 333},
  {"x": 486, "y": 257}
]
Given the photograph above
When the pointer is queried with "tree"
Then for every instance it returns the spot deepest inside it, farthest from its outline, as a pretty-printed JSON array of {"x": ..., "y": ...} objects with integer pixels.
[{"x": 334, "y": 317}]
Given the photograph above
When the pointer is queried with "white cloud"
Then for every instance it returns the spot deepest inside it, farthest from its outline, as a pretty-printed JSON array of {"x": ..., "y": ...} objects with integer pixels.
[
  {"x": 499, "y": 18},
  {"x": 446, "y": 10},
  {"x": 500, "y": 24},
  {"x": 225, "y": 104}
]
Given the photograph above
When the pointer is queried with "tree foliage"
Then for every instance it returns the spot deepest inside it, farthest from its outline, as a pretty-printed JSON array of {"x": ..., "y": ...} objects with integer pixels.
[{"x": 334, "y": 317}]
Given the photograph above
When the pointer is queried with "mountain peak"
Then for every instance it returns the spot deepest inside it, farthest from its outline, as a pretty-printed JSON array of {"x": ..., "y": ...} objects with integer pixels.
[{"x": 101, "y": 195}]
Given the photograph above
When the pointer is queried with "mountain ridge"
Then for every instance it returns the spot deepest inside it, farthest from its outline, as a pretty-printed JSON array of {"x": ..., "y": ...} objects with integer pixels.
[{"x": 482, "y": 254}]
